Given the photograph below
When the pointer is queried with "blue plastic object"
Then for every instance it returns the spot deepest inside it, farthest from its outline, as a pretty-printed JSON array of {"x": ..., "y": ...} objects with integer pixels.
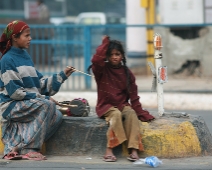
[{"x": 153, "y": 161}]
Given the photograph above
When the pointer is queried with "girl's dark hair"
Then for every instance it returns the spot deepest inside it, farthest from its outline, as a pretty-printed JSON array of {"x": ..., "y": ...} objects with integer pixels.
[
  {"x": 3, "y": 45},
  {"x": 18, "y": 35},
  {"x": 114, "y": 44}
]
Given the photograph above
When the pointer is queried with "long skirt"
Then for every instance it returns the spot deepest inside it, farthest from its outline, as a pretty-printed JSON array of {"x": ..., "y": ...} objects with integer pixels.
[{"x": 30, "y": 124}]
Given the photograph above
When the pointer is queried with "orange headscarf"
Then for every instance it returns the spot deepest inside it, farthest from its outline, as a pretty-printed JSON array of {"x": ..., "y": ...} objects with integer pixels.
[{"x": 12, "y": 28}]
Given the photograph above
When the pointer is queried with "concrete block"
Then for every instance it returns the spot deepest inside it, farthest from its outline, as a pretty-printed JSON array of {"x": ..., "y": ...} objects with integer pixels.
[
  {"x": 176, "y": 136},
  {"x": 170, "y": 136},
  {"x": 78, "y": 136}
]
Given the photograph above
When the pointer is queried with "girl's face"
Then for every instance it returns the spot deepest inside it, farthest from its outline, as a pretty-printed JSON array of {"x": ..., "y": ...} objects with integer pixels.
[
  {"x": 24, "y": 40},
  {"x": 115, "y": 57}
]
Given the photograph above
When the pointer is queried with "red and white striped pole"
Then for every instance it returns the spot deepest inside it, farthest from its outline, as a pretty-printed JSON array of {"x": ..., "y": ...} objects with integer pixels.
[{"x": 161, "y": 72}]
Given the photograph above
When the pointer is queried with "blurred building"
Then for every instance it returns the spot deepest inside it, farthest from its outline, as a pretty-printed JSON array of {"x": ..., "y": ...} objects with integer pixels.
[
  {"x": 16, "y": 9},
  {"x": 62, "y": 8}
]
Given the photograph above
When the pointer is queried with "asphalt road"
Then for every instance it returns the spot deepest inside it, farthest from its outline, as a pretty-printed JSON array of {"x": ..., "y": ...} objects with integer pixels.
[{"x": 81, "y": 163}]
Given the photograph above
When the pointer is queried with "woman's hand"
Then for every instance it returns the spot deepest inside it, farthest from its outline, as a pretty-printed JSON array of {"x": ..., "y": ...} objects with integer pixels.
[
  {"x": 69, "y": 70},
  {"x": 56, "y": 102}
]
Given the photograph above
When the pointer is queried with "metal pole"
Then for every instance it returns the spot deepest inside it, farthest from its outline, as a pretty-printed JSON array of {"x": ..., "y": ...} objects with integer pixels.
[
  {"x": 161, "y": 72},
  {"x": 87, "y": 53},
  {"x": 158, "y": 64},
  {"x": 149, "y": 5}
]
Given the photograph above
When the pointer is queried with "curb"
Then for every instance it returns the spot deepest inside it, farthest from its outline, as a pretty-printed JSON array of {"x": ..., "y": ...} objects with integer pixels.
[
  {"x": 170, "y": 136},
  {"x": 190, "y": 128}
]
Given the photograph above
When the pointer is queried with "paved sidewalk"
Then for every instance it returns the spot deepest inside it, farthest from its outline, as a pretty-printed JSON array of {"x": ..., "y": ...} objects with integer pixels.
[
  {"x": 173, "y": 101},
  {"x": 178, "y": 84}
]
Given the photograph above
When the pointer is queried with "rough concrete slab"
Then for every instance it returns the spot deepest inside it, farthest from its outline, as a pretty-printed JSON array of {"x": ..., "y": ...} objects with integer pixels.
[
  {"x": 170, "y": 136},
  {"x": 78, "y": 136}
]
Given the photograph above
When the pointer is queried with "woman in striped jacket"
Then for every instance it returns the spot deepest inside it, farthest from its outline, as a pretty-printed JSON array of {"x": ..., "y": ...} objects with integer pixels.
[{"x": 28, "y": 113}]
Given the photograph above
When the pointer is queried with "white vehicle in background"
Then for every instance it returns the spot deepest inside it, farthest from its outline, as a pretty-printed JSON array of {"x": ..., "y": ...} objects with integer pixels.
[
  {"x": 88, "y": 18},
  {"x": 63, "y": 20},
  {"x": 99, "y": 18}
]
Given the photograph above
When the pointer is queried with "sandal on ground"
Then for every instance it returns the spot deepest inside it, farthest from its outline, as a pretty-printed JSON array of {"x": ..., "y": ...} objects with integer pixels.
[
  {"x": 12, "y": 156},
  {"x": 132, "y": 158},
  {"x": 34, "y": 156},
  {"x": 109, "y": 158}
]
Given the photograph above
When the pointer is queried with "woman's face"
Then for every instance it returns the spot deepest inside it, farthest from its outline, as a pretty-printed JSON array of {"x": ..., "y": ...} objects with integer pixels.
[
  {"x": 24, "y": 40},
  {"x": 115, "y": 57}
]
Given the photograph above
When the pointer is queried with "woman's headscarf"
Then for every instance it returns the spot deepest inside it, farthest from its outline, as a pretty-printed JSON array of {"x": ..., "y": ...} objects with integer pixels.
[{"x": 12, "y": 28}]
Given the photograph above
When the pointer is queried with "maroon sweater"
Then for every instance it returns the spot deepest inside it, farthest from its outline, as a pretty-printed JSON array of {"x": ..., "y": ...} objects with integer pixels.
[{"x": 112, "y": 86}]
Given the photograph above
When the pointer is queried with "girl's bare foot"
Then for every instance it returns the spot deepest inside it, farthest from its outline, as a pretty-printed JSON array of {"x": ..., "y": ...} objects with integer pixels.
[
  {"x": 14, "y": 151},
  {"x": 134, "y": 155},
  {"x": 13, "y": 155},
  {"x": 34, "y": 156},
  {"x": 109, "y": 156}
]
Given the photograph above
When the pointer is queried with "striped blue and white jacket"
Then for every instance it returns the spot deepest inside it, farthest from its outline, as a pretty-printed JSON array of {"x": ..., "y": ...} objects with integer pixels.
[{"x": 19, "y": 80}]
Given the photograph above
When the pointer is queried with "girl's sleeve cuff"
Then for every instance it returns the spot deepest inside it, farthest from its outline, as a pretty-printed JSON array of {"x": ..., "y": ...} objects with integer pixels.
[{"x": 62, "y": 74}]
